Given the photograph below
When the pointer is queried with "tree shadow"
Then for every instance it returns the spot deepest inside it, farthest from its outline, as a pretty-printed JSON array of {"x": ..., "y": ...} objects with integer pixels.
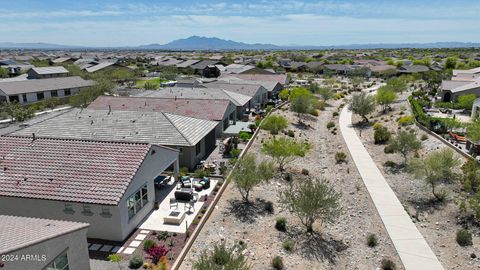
[
  {"x": 248, "y": 212},
  {"x": 423, "y": 205},
  {"x": 315, "y": 246}
]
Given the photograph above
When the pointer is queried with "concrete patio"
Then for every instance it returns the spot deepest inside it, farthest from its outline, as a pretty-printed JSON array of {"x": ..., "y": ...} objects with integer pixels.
[{"x": 155, "y": 221}]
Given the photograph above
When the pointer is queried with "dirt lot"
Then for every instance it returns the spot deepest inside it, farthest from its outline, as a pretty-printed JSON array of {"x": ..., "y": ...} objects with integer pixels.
[
  {"x": 338, "y": 246},
  {"x": 438, "y": 222}
]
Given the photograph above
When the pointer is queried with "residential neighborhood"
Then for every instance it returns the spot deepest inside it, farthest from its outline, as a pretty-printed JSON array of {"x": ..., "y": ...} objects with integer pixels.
[{"x": 301, "y": 137}]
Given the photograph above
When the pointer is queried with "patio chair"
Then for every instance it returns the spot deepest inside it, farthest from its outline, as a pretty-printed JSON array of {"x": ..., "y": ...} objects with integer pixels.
[{"x": 173, "y": 202}]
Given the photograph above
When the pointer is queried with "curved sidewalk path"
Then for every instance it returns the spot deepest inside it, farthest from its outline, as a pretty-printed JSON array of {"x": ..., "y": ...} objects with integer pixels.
[{"x": 408, "y": 241}]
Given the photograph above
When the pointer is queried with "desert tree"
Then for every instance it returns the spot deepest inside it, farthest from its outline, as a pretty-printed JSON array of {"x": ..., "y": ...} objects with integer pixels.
[
  {"x": 397, "y": 85},
  {"x": 274, "y": 124},
  {"x": 362, "y": 104},
  {"x": 404, "y": 143},
  {"x": 436, "y": 167},
  {"x": 284, "y": 150},
  {"x": 312, "y": 200},
  {"x": 384, "y": 97},
  {"x": 249, "y": 173}
]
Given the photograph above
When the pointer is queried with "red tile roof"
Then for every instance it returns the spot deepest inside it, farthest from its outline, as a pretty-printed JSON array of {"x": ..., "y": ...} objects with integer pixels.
[
  {"x": 208, "y": 109},
  {"x": 68, "y": 170}
]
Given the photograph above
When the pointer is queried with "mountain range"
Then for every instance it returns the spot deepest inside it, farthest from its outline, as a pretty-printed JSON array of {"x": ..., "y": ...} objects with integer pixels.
[{"x": 194, "y": 43}]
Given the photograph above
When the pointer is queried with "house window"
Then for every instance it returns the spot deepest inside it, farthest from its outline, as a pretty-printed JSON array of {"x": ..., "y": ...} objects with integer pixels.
[
  {"x": 137, "y": 201},
  {"x": 67, "y": 92},
  {"x": 68, "y": 208},
  {"x": 87, "y": 210},
  {"x": 198, "y": 148},
  {"x": 40, "y": 96},
  {"x": 60, "y": 263},
  {"x": 54, "y": 93},
  {"x": 106, "y": 212},
  {"x": 24, "y": 97}
]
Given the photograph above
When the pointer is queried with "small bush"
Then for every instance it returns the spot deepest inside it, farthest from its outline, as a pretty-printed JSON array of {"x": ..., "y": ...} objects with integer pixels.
[
  {"x": 340, "y": 157},
  {"x": 291, "y": 133},
  {"x": 277, "y": 263},
  {"x": 281, "y": 224},
  {"x": 288, "y": 177},
  {"x": 235, "y": 152},
  {"x": 372, "y": 240},
  {"x": 390, "y": 164},
  {"x": 162, "y": 236},
  {"x": 148, "y": 244},
  {"x": 381, "y": 135},
  {"x": 334, "y": 114},
  {"x": 388, "y": 265},
  {"x": 388, "y": 149},
  {"x": 377, "y": 126},
  {"x": 288, "y": 245},
  {"x": 135, "y": 262},
  {"x": 330, "y": 125},
  {"x": 424, "y": 137},
  {"x": 305, "y": 172},
  {"x": 464, "y": 238},
  {"x": 243, "y": 135},
  {"x": 315, "y": 112},
  {"x": 269, "y": 207},
  {"x": 406, "y": 120}
]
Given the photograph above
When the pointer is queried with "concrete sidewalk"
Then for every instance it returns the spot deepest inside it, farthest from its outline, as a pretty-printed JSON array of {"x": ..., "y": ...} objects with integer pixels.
[{"x": 408, "y": 241}]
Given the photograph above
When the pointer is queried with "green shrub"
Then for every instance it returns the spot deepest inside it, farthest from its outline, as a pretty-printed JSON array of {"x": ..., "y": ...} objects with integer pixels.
[
  {"x": 334, "y": 114},
  {"x": 281, "y": 224},
  {"x": 315, "y": 112},
  {"x": 464, "y": 238},
  {"x": 244, "y": 135},
  {"x": 390, "y": 164},
  {"x": 377, "y": 126},
  {"x": 183, "y": 171},
  {"x": 388, "y": 265},
  {"x": 406, "y": 120},
  {"x": 277, "y": 263},
  {"x": 235, "y": 152},
  {"x": 200, "y": 173},
  {"x": 290, "y": 133},
  {"x": 381, "y": 135},
  {"x": 388, "y": 149},
  {"x": 372, "y": 240},
  {"x": 330, "y": 125},
  {"x": 268, "y": 207},
  {"x": 148, "y": 244},
  {"x": 288, "y": 245},
  {"x": 424, "y": 137},
  {"x": 135, "y": 262},
  {"x": 340, "y": 157}
]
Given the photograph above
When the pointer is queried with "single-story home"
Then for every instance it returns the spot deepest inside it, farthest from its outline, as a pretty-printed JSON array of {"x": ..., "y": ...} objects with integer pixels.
[
  {"x": 108, "y": 184},
  {"x": 241, "y": 101},
  {"x": 194, "y": 138},
  {"x": 222, "y": 111},
  {"x": 34, "y": 243},
  {"x": 47, "y": 72},
  {"x": 258, "y": 93},
  {"x": 413, "y": 69},
  {"x": 30, "y": 91},
  {"x": 463, "y": 82}
]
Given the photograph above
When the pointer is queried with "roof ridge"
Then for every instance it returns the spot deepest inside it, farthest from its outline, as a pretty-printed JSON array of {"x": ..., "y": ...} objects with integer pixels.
[
  {"x": 77, "y": 139},
  {"x": 166, "y": 115}
]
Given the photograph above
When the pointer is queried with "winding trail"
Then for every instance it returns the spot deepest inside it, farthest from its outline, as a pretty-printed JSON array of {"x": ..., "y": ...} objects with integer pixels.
[{"x": 412, "y": 248}]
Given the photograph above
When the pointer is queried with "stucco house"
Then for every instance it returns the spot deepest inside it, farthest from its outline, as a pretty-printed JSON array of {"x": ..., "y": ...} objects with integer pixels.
[
  {"x": 30, "y": 91},
  {"x": 109, "y": 185},
  {"x": 193, "y": 138},
  {"x": 47, "y": 72},
  {"x": 463, "y": 82},
  {"x": 222, "y": 111},
  {"x": 33, "y": 243}
]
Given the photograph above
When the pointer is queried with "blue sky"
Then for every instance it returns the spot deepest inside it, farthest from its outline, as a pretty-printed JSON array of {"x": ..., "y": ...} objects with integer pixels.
[{"x": 281, "y": 22}]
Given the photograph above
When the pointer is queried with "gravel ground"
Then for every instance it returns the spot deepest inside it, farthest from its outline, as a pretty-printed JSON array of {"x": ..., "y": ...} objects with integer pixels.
[
  {"x": 338, "y": 246},
  {"x": 438, "y": 223}
]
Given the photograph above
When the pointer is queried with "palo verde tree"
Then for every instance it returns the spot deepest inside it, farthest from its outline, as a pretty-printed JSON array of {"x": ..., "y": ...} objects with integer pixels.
[
  {"x": 397, "y": 85},
  {"x": 249, "y": 174},
  {"x": 284, "y": 150},
  {"x": 471, "y": 176},
  {"x": 435, "y": 168},
  {"x": 311, "y": 200},
  {"x": 384, "y": 97},
  {"x": 274, "y": 124},
  {"x": 362, "y": 104},
  {"x": 405, "y": 143}
]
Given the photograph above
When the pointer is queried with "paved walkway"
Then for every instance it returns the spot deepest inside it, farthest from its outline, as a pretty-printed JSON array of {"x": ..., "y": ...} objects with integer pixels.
[{"x": 408, "y": 241}]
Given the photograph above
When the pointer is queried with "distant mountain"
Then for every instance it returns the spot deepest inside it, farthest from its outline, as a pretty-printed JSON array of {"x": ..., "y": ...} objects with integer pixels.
[
  {"x": 216, "y": 44},
  {"x": 209, "y": 43},
  {"x": 39, "y": 45}
]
